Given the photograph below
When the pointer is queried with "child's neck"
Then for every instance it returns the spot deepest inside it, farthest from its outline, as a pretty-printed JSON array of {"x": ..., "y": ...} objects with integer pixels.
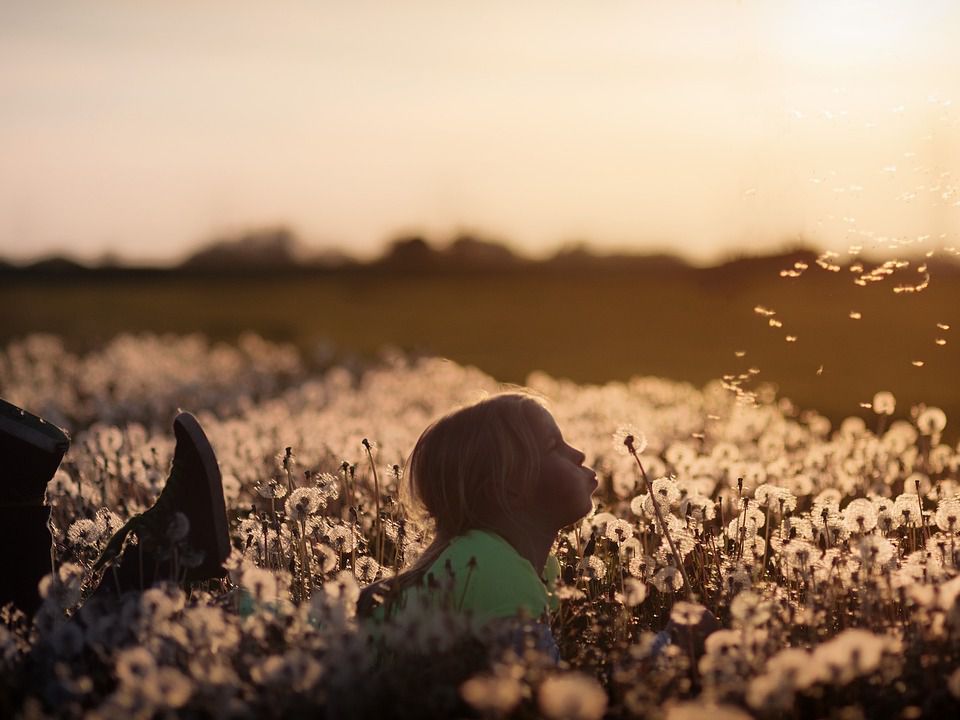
[{"x": 529, "y": 542}]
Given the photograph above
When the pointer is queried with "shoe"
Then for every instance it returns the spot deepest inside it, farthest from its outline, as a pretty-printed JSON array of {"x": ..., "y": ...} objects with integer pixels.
[
  {"x": 30, "y": 453},
  {"x": 194, "y": 489}
]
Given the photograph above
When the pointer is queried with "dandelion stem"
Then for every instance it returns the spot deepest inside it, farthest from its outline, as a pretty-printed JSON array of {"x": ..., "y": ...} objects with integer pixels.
[
  {"x": 376, "y": 499},
  {"x": 663, "y": 524},
  {"x": 766, "y": 541}
]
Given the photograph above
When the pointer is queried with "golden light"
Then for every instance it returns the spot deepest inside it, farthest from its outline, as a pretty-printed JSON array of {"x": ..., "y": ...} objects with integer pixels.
[{"x": 857, "y": 33}]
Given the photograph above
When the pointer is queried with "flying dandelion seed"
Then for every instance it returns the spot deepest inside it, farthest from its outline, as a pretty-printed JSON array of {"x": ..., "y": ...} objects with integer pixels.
[
  {"x": 854, "y": 315},
  {"x": 773, "y": 322},
  {"x": 940, "y": 341},
  {"x": 820, "y": 370},
  {"x": 740, "y": 353},
  {"x": 791, "y": 338},
  {"x": 764, "y": 311},
  {"x": 917, "y": 363},
  {"x": 943, "y": 326}
]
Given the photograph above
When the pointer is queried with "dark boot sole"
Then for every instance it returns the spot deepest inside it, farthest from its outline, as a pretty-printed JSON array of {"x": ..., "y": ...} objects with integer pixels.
[
  {"x": 30, "y": 453},
  {"x": 32, "y": 429},
  {"x": 187, "y": 429}
]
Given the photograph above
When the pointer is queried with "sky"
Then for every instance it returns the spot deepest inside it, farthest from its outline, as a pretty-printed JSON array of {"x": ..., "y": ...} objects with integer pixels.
[{"x": 699, "y": 127}]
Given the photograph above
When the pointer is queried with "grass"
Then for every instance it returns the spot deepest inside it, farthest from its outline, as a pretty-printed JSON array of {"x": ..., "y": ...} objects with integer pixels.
[{"x": 591, "y": 326}]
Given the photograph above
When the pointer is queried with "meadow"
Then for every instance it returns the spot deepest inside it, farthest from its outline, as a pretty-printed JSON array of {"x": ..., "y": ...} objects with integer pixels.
[
  {"x": 827, "y": 550},
  {"x": 586, "y": 321}
]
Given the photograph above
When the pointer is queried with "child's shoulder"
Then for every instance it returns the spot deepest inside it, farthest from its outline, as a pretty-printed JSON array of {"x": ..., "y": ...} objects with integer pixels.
[{"x": 491, "y": 579}]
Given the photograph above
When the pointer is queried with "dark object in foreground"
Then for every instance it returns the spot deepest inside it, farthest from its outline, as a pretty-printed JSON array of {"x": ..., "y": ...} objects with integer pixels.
[
  {"x": 182, "y": 537},
  {"x": 30, "y": 453}
]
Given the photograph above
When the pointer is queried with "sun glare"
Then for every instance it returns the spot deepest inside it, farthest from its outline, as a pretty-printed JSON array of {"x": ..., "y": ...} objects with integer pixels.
[{"x": 867, "y": 33}]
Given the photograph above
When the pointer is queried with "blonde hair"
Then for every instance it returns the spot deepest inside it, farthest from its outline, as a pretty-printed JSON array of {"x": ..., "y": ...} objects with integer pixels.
[
  {"x": 461, "y": 474},
  {"x": 464, "y": 464}
]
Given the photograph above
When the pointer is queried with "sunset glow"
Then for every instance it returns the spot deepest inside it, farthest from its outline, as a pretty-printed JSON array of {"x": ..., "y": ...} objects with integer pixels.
[{"x": 701, "y": 128}]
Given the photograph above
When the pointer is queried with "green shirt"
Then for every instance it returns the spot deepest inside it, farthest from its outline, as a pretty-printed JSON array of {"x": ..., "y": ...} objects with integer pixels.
[{"x": 499, "y": 583}]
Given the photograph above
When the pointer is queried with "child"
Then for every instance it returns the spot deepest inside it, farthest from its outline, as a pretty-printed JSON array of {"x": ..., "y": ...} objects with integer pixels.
[
  {"x": 30, "y": 452},
  {"x": 499, "y": 482}
]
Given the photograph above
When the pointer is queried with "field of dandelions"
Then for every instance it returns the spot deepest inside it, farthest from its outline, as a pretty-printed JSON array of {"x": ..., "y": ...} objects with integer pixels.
[{"x": 827, "y": 554}]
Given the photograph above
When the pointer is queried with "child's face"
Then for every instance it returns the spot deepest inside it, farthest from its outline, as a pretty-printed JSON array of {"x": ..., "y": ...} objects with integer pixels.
[{"x": 562, "y": 494}]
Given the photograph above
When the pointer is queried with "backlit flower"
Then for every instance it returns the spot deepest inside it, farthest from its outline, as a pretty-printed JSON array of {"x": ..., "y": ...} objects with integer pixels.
[{"x": 572, "y": 696}]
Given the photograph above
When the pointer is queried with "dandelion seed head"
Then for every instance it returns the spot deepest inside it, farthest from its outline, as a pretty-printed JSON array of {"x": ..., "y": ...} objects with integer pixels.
[
  {"x": 640, "y": 566},
  {"x": 852, "y": 653},
  {"x": 261, "y": 584},
  {"x": 619, "y": 531},
  {"x": 884, "y": 403},
  {"x": 595, "y": 567},
  {"x": 687, "y": 614},
  {"x": 667, "y": 579},
  {"x": 83, "y": 532},
  {"x": 272, "y": 489},
  {"x": 931, "y": 421},
  {"x": 367, "y": 569},
  {"x": 635, "y": 591},
  {"x": 907, "y": 509},
  {"x": 492, "y": 694},
  {"x": 168, "y": 687},
  {"x": 628, "y": 439},
  {"x": 572, "y": 696},
  {"x": 948, "y": 515},
  {"x": 134, "y": 665},
  {"x": 303, "y": 502},
  {"x": 860, "y": 516}
]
